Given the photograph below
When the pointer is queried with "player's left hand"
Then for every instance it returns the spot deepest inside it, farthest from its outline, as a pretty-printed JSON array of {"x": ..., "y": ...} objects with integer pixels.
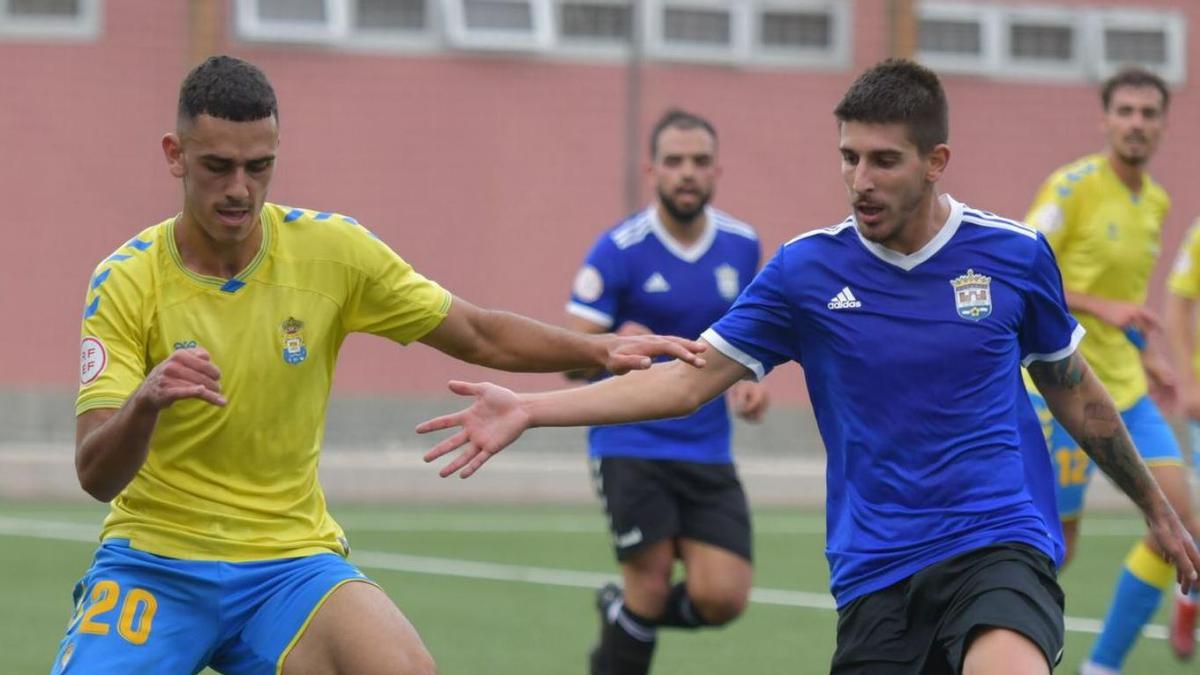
[
  {"x": 1176, "y": 545},
  {"x": 489, "y": 425},
  {"x": 637, "y": 352},
  {"x": 749, "y": 400}
]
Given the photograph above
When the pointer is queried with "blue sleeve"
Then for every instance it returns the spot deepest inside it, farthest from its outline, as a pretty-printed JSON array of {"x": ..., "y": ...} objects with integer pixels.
[
  {"x": 758, "y": 331},
  {"x": 599, "y": 284},
  {"x": 1048, "y": 332}
]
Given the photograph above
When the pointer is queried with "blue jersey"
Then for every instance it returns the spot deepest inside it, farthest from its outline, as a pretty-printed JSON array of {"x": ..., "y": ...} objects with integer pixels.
[
  {"x": 638, "y": 272},
  {"x": 913, "y": 366}
]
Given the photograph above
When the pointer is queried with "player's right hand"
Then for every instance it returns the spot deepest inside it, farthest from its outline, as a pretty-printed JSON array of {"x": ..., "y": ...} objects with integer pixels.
[
  {"x": 1126, "y": 315},
  {"x": 186, "y": 373}
]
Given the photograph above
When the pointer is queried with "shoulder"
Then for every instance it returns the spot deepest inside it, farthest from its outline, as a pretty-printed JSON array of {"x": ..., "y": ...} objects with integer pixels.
[
  {"x": 821, "y": 238},
  {"x": 998, "y": 226},
  {"x": 629, "y": 231},
  {"x": 308, "y": 233},
  {"x": 730, "y": 225},
  {"x": 133, "y": 259},
  {"x": 1157, "y": 194},
  {"x": 1078, "y": 176}
]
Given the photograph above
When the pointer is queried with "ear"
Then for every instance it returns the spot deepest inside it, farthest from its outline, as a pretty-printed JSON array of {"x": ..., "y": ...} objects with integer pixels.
[
  {"x": 173, "y": 150},
  {"x": 938, "y": 159}
]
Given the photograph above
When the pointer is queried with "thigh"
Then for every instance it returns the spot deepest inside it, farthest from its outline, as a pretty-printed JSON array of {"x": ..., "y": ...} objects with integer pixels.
[
  {"x": 1012, "y": 587},
  {"x": 358, "y": 629},
  {"x": 641, "y": 509},
  {"x": 878, "y": 634},
  {"x": 714, "y": 572},
  {"x": 139, "y": 613},
  {"x": 713, "y": 508},
  {"x": 1073, "y": 466}
]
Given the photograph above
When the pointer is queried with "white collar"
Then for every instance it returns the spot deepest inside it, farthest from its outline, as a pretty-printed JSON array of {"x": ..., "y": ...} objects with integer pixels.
[
  {"x": 689, "y": 253},
  {"x": 908, "y": 261}
]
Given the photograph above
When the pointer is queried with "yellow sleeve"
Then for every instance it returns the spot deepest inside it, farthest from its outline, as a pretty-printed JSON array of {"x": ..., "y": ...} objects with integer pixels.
[
  {"x": 113, "y": 343},
  {"x": 1054, "y": 210},
  {"x": 390, "y": 298},
  {"x": 1185, "y": 274}
]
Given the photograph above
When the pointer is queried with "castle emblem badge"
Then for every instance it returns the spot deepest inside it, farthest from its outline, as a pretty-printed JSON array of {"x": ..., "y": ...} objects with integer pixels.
[{"x": 973, "y": 295}]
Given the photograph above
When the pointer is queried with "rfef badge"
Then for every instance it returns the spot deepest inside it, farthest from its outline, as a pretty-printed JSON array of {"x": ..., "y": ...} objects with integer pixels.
[
  {"x": 294, "y": 350},
  {"x": 973, "y": 295}
]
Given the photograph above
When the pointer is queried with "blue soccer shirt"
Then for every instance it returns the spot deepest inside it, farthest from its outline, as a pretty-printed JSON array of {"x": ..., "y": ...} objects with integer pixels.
[
  {"x": 638, "y": 272},
  {"x": 913, "y": 366}
]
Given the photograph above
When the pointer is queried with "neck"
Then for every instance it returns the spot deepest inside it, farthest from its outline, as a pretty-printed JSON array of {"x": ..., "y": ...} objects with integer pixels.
[
  {"x": 1130, "y": 174},
  {"x": 923, "y": 225},
  {"x": 685, "y": 233},
  {"x": 202, "y": 254}
]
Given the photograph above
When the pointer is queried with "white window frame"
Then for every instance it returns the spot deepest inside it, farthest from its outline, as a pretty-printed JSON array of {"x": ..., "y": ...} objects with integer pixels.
[
  {"x": 1172, "y": 23},
  {"x": 1049, "y": 69},
  {"x": 740, "y": 28},
  {"x": 540, "y": 38},
  {"x": 582, "y": 48},
  {"x": 989, "y": 20},
  {"x": 85, "y": 25},
  {"x": 841, "y": 15},
  {"x": 334, "y": 29}
]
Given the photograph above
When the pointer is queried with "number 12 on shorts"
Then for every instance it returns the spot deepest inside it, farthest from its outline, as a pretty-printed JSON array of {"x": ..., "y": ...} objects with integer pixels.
[{"x": 134, "y": 620}]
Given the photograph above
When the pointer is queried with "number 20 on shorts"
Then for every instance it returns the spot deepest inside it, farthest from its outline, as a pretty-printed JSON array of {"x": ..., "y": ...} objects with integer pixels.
[{"x": 135, "y": 619}]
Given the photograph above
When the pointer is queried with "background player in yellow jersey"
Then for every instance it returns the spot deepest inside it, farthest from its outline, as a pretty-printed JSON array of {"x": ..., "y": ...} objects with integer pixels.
[
  {"x": 1103, "y": 216},
  {"x": 1179, "y": 319},
  {"x": 209, "y": 344}
]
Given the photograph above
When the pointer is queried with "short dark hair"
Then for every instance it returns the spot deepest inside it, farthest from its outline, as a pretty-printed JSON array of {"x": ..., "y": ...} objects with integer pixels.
[
  {"x": 899, "y": 91},
  {"x": 679, "y": 119},
  {"x": 1133, "y": 76},
  {"x": 228, "y": 88}
]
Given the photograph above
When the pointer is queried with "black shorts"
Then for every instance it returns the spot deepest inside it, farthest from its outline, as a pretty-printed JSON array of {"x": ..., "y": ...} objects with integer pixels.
[
  {"x": 649, "y": 500},
  {"x": 923, "y": 625}
]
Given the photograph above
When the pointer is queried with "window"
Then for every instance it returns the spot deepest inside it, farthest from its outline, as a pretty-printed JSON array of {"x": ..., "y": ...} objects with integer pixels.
[
  {"x": 1028, "y": 41},
  {"x": 1155, "y": 40},
  {"x": 292, "y": 20},
  {"x": 1040, "y": 42},
  {"x": 947, "y": 36},
  {"x": 595, "y": 22},
  {"x": 499, "y": 24},
  {"x": 697, "y": 30},
  {"x": 809, "y": 32},
  {"x": 957, "y": 38},
  {"x": 350, "y": 23},
  {"x": 391, "y": 15},
  {"x": 50, "y": 18}
]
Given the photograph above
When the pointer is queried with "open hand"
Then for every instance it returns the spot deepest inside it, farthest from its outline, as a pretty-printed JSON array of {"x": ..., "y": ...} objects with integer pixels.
[{"x": 489, "y": 425}]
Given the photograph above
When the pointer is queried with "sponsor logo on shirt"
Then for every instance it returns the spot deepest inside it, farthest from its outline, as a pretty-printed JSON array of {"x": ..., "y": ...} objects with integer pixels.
[
  {"x": 589, "y": 285},
  {"x": 844, "y": 300},
  {"x": 656, "y": 284},
  {"x": 93, "y": 359}
]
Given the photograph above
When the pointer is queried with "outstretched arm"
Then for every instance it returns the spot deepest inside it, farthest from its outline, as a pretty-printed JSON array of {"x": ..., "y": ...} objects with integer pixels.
[
  {"x": 499, "y": 416},
  {"x": 508, "y": 341},
  {"x": 1082, "y": 405}
]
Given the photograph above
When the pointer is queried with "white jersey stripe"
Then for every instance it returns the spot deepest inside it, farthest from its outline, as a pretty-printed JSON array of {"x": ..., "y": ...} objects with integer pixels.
[
  {"x": 590, "y": 314},
  {"x": 720, "y": 344}
]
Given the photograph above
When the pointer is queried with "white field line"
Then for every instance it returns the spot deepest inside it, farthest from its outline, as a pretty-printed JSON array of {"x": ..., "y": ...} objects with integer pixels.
[{"x": 542, "y": 576}]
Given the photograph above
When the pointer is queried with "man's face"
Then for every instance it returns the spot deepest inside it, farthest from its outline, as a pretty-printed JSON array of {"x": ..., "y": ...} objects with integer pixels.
[
  {"x": 1134, "y": 122},
  {"x": 886, "y": 177},
  {"x": 685, "y": 171},
  {"x": 226, "y": 168}
]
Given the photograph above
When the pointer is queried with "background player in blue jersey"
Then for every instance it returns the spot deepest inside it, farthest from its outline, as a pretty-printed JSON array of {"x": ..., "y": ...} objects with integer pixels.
[
  {"x": 911, "y": 319},
  {"x": 669, "y": 486},
  {"x": 209, "y": 345}
]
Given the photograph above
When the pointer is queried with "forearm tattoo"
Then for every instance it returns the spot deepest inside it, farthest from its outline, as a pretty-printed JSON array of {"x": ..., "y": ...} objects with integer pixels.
[{"x": 1084, "y": 408}]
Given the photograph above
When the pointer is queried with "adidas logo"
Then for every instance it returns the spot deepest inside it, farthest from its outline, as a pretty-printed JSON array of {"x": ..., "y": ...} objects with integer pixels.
[
  {"x": 844, "y": 300},
  {"x": 656, "y": 284}
]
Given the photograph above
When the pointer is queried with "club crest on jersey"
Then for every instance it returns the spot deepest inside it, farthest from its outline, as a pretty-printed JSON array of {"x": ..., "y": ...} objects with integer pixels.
[
  {"x": 294, "y": 350},
  {"x": 727, "y": 281},
  {"x": 973, "y": 295}
]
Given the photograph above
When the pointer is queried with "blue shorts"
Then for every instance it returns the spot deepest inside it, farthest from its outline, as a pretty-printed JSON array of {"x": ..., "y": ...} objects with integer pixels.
[
  {"x": 136, "y": 612},
  {"x": 1152, "y": 435}
]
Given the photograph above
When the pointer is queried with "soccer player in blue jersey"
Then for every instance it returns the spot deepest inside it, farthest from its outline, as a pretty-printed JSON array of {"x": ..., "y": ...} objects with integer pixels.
[
  {"x": 208, "y": 349},
  {"x": 911, "y": 318},
  {"x": 669, "y": 486}
]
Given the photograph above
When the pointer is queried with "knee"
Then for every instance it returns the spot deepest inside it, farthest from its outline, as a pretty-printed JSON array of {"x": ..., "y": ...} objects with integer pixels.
[
  {"x": 418, "y": 662},
  {"x": 722, "y": 607}
]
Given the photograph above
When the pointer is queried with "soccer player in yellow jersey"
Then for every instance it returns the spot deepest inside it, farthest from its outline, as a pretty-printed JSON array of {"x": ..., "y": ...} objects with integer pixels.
[
  {"x": 209, "y": 343},
  {"x": 1180, "y": 322},
  {"x": 1103, "y": 216}
]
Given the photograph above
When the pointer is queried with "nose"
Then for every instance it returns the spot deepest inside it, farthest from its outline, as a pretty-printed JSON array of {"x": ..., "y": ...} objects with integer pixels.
[
  {"x": 861, "y": 179},
  {"x": 239, "y": 186}
]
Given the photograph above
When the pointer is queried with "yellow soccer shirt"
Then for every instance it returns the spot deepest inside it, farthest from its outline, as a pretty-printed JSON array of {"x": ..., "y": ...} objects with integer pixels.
[
  {"x": 1107, "y": 241},
  {"x": 1185, "y": 277},
  {"x": 239, "y": 482}
]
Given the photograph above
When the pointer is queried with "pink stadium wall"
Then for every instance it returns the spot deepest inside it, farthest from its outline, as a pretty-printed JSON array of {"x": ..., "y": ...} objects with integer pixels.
[{"x": 490, "y": 174}]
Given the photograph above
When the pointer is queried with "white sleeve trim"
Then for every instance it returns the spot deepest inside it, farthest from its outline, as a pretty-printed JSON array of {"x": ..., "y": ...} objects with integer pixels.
[
  {"x": 1061, "y": 354},
  {"x": 594, "y": 315},
  {"x": 723, "y": 346}
]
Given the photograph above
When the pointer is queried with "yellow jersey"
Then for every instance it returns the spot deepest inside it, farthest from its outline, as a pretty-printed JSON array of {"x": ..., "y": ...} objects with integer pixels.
[
  {"x": 1185, "y": 277},
  {"x": 239, "y": 482},
  {"x": 1107, "y": 241}
]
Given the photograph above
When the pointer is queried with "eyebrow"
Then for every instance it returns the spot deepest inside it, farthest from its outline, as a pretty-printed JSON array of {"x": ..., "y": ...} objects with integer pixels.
[{"x": 221, "y": 158}]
